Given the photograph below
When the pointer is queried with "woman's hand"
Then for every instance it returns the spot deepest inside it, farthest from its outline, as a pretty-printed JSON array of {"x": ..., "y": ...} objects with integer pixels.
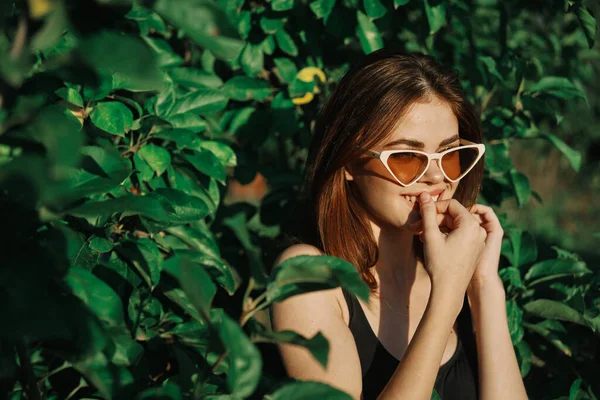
[
  {"x": 487, "y": 268},
  {"x": 449, "y": 261}
]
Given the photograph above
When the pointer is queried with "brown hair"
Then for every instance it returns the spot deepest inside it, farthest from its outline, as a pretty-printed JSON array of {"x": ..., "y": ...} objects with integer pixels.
[{"x": 363, "y": 109}]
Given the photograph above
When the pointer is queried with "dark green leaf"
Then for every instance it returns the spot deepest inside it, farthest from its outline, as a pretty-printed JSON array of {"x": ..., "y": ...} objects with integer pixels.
[
  {"x": 322, "y": 8},
  {"x": 286, "y": 43},
  {"x": 243, "y": 88},
  {"x": 70, "y": 95},
  {"x": 587, "y": 22},
  {"x": 521, "y": 186},
  {"x": 436, "y": 14},
  {"x": 197, "y": 285},
  {"x": 551, "y": 309},
  {"x": 282, "y": 5},
  {"x": 553, "y": 269},
  {"x": 368, "y": 34},
  {"x": 158, "y": 158},
  {"x": 573, "y": 156},
  {"x": 558, "y": 86},
  {"x": 307, "y": 273},
  {"x": 101, "y": 245},
  {"x": 200, "y": 101},
  {"x": 195, "y": 78},
  {"x": 188, "y": 208},
  {"x": 245, "y": 365},
  {"x": 207, "y": 163},
  {"x": 97, "y": 295},
  {"x": 374, "y": 8},
  {"x": 112, "y": 117},
  {"x": 286, "y": 69}
]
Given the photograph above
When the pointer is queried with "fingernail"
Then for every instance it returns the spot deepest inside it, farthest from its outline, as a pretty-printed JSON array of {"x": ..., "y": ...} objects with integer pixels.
[{"x": 425, "y": 197}]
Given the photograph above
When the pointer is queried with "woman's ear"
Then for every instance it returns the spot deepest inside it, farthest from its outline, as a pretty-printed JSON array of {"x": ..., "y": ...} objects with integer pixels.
[{"x": 348, "y": 174}]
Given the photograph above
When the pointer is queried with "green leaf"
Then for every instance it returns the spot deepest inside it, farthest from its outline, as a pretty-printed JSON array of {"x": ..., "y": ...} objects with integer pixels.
[
  {"x": 111, "y": 52},
  {"x": 436, "y": 14},
  {"x": 198, "y": 239},
  {"x": 112, "y": 117},
  {"x": 374, "y": 8},
  {"x": 101, "y": 245},
  {"x": 515, "y": 317},
  {"x": 435, "y": 395},
  {"x": 201, "y": 101},
  {"x": 243, "y": 88},
  {"x": 271, "y": 25},
  {"x": 308, "y": 273},
  {"x": 193, "y": 78},
  {"x": 219, "y": 271},
  {"x": 197, "y": 285},
  {"x": 553, "y": 269},
  {"x": 521, "y": 186},
  {"x": 308, "y": 390},
  {"x": 168, "y": 391},
  {"x": 205, "y": 23},
  {"x": 70, "y": 95},
  {"x": 573, "y": 156},
  {"x": 207, "y": 163},
  {"x": 550, "y": 309},
  {"x": 511, "y": 276},
  {"x": 145, "y": 257},
  {"x": 282, "y": 5},
  {"x": 224, "y": 153},
  {"x": 157, "y": 157},
  {"x": 97, "y": 295},
  {"x": 187, "y": 208},
  {"x": 558, "y": 86},
  {"x": 286, "y": 43},
  {"x": 322, "y": 8},
  {"x": 368, "y": 34},
  {"x": 286, "y": 69},
  {"x": 557, "y": 339},
  {"x": 523, "y": 247},
  {"x": 490, "y": 65},
  {"x": 245, "y": 362},
  {"x": 588, "y": 23},
  {"x": 398, "y": 3},
  {"x": 574, "y": 390},
  {"x": 317, "y": 345},
  {"x": 126, "y": 205},
  {"x": 252, "y": 59}
]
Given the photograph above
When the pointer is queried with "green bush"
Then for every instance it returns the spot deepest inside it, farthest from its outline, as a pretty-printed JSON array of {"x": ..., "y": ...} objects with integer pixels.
[{"x": 129, "y": 270}]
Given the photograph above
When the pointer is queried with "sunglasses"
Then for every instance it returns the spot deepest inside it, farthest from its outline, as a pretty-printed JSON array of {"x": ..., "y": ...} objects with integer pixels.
[{"x": 408, "y": 166}]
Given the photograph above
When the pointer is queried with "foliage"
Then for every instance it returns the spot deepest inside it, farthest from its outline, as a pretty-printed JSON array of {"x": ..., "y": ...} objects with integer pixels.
[{"x": 122, "y": 125}]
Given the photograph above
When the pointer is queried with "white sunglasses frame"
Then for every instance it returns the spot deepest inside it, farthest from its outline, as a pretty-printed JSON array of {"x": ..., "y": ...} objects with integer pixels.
[{"x": 384, "y": 155}]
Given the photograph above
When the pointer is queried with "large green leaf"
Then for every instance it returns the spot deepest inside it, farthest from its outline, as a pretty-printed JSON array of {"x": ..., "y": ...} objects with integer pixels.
[
  {"x": 587, "y": 22},
  {"x": 368, "y": 34},
  {"x": 200, "y": 101},
  {"x": 521, "y": 186},
  {"x": 374, "y": 8},
  {"x": 308, "y": 273},
  {"x": 112, "y": 117},
  {"x": 552, "y": 269},
  {"x": 244, "y": 88},
  {"x": 97, "y": 295},
  {"x": 558, "y": 86},
  {"x": 435, "y": 10},
  {"x": 245, "y": 366},
  {"x": 206, "y": 162},
  {"x": 573, "y": 156},
  {"x": 220, "y": 272},
  {"x": 145, "y": 257},
  {"x": 286, "y": 43},
  {"x": 158, "y": 158},
  {"x": 523, "y": 248},
  {"x": 205, "y": 23},
  {"x": 188, "y": 208},
  {"x": 127, "y": 205},
  {"x": 112, "y": 52},
  {"x": 197, "y": 285},
  {"x": 551, "y": 309}
]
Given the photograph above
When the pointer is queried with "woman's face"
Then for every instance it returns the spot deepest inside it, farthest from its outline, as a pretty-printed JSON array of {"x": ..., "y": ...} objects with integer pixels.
[{"x": 424, "y": 128}]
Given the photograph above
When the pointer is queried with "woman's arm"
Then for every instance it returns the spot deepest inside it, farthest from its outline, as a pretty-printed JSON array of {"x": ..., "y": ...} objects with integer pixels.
[
  {"x": 415, "y": 376},
  {"x": 499, "y": 374}
]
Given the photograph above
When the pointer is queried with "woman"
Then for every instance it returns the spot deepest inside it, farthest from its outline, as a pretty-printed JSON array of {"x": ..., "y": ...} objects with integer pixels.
[{"x": 392, "y": 177}]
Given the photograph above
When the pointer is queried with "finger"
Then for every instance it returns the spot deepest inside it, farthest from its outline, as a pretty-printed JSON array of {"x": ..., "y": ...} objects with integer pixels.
[
  {"x": 460, "y": 215},
  {"x": 431, "y": 232},
  {"x": 417, "y": 226}
]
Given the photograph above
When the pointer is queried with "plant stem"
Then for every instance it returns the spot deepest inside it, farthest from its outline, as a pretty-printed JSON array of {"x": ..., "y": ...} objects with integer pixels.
[{"x": 27, "y": 374}]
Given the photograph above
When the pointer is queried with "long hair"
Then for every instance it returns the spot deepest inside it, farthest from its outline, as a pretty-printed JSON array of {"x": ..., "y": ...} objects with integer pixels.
[{"x": 362, "y": 111}]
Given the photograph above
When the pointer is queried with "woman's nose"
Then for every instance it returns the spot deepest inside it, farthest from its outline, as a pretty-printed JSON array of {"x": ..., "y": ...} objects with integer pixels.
[{"x": 433, "y": 174}]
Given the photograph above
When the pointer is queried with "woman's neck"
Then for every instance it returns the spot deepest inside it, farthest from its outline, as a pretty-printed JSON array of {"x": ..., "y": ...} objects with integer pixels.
[{"x": 398, "y": 267}]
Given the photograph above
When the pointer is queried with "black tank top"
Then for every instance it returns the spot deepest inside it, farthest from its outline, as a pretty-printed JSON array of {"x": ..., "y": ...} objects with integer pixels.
[{"x": 456, "y": 379}]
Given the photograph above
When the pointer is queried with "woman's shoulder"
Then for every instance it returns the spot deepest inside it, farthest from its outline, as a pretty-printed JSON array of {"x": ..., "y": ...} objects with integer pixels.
[{"x": 333, "y": 297}]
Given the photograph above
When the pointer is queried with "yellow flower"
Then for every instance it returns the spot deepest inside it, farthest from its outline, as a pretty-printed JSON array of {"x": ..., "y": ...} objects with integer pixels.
[{"x": 308, "y": 75}]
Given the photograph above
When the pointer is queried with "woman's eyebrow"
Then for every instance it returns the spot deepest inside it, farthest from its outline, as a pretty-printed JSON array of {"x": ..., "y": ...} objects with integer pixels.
[{"x": 421, "y": 145}]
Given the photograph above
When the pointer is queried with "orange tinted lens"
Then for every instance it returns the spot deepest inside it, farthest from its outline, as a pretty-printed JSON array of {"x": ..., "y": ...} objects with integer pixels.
[
  {"x": 407, "y": 166},
  {"x": 456, "y": 163}
]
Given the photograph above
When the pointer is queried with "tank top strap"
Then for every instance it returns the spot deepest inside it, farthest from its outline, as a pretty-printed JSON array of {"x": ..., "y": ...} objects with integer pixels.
[{"x": 350, "y": 299}]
